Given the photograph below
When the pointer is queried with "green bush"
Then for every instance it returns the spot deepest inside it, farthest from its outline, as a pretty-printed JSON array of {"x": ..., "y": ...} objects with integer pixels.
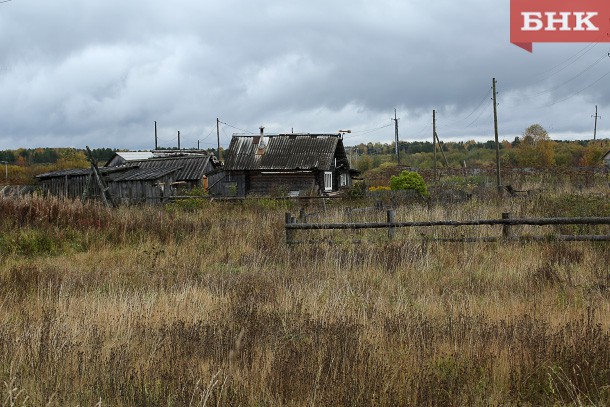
[{"x": 409, "y": 180}]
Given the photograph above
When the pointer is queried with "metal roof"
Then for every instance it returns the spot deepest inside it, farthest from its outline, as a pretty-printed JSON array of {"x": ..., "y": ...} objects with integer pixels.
[
  {"x": 192, "y": 167},
  {"x": 283, "y": 152},
  {"x": 144, "y": 174},
  {"x": 134, "y": 155},
  {"x": 79, "y": 172},
  {"x": 189, "y": 167}
]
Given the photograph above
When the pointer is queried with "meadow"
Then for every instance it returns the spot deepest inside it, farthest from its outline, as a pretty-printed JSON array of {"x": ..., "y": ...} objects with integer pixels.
[{"x": 203, "y": 304}]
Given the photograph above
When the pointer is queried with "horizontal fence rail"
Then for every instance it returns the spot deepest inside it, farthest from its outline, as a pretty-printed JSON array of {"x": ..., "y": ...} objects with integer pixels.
[{"x": 506, "y": 222}]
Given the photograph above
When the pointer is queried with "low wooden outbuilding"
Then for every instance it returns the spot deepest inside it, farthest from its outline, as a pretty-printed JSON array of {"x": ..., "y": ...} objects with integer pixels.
[{"x": 150, "y": 180}]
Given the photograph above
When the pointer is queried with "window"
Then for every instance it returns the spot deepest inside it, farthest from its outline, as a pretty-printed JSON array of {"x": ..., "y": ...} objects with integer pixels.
[
  {"x": 328, "y": 181},
  {"x": 343, "y": 180}
]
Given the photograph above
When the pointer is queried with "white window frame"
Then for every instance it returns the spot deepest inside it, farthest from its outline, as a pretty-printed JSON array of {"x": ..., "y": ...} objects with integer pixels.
[
  {"x": 343, "y": 179},
  {"x": 328, "y": 181}
]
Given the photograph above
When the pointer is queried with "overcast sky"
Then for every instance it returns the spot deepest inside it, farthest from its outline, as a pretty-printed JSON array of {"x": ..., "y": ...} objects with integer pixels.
[{"x": 100, "y": 72}]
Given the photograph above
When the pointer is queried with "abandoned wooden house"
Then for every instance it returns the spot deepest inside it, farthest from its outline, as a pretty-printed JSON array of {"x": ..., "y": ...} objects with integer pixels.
[
  {"x": 150, "y": 180},
  {"x": 286, "y": 164}
]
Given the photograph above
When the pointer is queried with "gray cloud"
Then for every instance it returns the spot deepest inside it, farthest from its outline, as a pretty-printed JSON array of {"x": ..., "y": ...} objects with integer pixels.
[{"x": 99, "y": 73}]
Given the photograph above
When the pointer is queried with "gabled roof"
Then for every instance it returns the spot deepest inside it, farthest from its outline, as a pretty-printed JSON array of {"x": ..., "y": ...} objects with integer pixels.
[
  {"x": 144, "y": 174},
  {"x": 284, "y": 152},
  {"x": 192, "y": 167},
  {"x": 134, "y": 155},
  {"x": 79, "y": 172}
]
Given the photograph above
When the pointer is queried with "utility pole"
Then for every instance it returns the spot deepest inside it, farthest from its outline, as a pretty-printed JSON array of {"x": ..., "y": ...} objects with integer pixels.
[
  {"x": 156, "y": 140},
  {"x": 218, "y": 137},
  {"x": 198, "y": 145},
  {"x": 396, "y": 137},
  {"x": 178, "y": 139},
  {"x": 498, "y": 182},
  {"x": 434, "y": 140},
  {"x": 595, "y": 128}
]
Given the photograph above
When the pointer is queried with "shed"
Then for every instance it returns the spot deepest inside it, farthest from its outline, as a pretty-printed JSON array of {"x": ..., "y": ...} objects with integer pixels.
[
  {"x": 194, "y": 172},
  {"x": 136, "y": 181},
  {"x": 286, "y": 164}
]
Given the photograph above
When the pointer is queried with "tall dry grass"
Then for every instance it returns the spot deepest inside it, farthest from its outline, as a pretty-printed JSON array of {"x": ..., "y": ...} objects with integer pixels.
[{"x": 150, "y": 306}]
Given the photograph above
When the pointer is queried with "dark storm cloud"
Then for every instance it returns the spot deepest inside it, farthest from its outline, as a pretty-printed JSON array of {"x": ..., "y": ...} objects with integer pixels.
[{"x": 100, "y": 73}]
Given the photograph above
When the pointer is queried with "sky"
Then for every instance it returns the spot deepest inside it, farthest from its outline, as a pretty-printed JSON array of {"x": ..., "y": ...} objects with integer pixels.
[{"x": 100, "y": 73}]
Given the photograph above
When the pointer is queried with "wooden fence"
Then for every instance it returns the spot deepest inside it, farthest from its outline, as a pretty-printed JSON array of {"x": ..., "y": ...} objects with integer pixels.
[{"x": 507, "y": 223}]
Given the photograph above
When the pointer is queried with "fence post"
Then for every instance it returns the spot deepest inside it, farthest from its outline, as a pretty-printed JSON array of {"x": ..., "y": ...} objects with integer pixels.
[
  {"x": 390, "y": 218},
  {"x": 507, "y": 232},
  {"x": 289, "y": 232},
  {"x": 302, "y": 215}
]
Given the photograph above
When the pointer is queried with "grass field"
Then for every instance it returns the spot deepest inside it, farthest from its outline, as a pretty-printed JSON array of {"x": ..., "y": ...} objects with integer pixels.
[{"x": 151, "y": 306}]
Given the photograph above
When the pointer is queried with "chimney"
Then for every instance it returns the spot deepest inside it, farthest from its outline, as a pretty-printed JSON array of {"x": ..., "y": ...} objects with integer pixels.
[{"x": 261, "y": 144}]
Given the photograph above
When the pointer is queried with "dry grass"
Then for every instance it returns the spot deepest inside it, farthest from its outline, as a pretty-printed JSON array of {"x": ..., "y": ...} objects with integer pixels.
[{"x": 144, "y": 306}]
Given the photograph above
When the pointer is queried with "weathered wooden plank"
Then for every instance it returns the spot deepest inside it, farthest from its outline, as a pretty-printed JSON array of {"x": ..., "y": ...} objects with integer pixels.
[{"x": 524, "y": 221}]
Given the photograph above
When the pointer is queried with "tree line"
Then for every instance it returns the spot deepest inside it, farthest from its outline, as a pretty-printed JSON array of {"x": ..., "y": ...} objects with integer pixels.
[
  {"x": 534, "y": 148},
  {"x": 49, "y": 155}
]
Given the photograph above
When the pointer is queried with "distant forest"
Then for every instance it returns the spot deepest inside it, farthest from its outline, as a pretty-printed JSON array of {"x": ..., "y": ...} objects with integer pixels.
[
  {"x": 533, "y": 149},
  {"x": 46, "y": 155},
  {"x": 536, "y": 152}
]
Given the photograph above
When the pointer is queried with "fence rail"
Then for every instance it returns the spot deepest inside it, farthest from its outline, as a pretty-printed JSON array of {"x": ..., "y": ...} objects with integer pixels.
[{"x": 508, "y": 233}]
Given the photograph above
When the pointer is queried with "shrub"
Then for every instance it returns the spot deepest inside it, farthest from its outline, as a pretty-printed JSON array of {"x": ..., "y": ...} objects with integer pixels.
[
  {"x": 409, "y": 180},
  {"x": 379, "y": 188}
]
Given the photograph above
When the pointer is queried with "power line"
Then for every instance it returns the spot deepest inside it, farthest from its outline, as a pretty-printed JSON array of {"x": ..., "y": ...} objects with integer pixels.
[
  {"x": 367, "y": 131},
  {"x": 576, "y": 93},
  {"x": 584, "y": 51},
  {"x": 572, "y": 78},
  {"x": 470, "y": 114},
  {"x": 476, "y": 119},
  {"x": 236, "y": 128}
]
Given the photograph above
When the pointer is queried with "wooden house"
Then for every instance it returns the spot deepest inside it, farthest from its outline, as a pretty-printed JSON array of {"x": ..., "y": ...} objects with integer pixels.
[
  {"x": 150, "y": 180},
  {"x": 286, "y": 164}
]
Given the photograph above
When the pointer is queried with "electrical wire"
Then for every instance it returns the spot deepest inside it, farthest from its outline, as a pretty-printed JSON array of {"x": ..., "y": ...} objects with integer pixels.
[
  {"x": 236, "y": 128},
  {"x": 572, "y": 78},
  {"x": 367, "y": 131},
  {"x": 476, "y": 119},
  {"x": 586, "y": 50},
  {"x": 451, "y": 123},
  {"x": 576, "y": 93}
]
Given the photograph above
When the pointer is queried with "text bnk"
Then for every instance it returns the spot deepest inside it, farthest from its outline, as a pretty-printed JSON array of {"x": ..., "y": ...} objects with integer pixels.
[{"x": 566, "y": 21}]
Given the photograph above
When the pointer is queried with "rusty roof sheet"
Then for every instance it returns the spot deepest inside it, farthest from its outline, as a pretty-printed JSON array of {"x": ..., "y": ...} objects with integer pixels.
[{"x": 282, "y": 152}]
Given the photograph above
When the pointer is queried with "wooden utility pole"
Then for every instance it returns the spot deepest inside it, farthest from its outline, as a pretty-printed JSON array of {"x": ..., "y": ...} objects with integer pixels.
[
  {"x": 218, "y": 137},
  {"x": 156, "y": 140},
  {"x": 498, "y": 181},
  {"x": 595, "y": 128},
  {"x": 440, "y": 147},
  {"x": 396, "y": 138},
  {"x": 178, "y": 139},
  {"x": 434, "y": 140}
]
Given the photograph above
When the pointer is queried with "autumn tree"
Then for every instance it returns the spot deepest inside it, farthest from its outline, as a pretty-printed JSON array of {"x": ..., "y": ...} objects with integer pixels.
[{"x": 535, "y": 148}]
